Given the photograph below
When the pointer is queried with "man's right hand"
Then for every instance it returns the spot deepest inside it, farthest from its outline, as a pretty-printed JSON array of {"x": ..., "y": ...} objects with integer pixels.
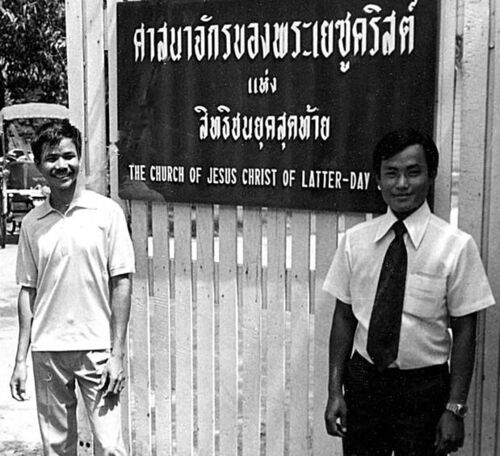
[
  {"x": 336, "y": 416},
  {"x": 18, "y": 381}
]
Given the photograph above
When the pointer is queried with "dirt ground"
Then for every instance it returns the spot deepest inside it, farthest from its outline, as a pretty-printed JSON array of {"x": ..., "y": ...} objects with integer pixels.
[{"x": 19, "y": 434}]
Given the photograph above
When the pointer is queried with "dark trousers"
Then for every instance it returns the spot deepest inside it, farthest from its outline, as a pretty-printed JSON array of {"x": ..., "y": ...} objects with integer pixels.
[{"x": 393, "y": 411}]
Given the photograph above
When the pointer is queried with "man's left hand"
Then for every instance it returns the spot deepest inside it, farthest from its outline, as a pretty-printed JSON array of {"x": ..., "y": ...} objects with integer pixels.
[
  {"x": 113, "y": 376},
  {"x": 449, "y": 434}
]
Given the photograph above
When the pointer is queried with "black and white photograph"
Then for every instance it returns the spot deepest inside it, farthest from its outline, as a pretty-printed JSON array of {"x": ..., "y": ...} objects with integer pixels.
[{"x": 249, "y": 227}]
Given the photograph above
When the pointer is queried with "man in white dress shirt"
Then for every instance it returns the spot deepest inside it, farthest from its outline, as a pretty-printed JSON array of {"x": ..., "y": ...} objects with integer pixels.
[{"x": 397, "y": 382}]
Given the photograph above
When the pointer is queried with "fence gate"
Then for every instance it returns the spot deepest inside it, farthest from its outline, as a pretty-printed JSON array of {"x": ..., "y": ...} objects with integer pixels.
[{"x": 227, "y": 352}]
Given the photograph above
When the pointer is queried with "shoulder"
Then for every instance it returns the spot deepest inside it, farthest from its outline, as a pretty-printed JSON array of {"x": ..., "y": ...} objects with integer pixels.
[
  {"x": 359, "y": 238},
  {"x": 33, "y": 215},
  {"x": 363, "y": 230},
  {"x": 446, "y": 241},
  {"x": 32, "y": 218},
  {"x": 443, "y": 231},
  {"x": 365, "y": 226},
  {"x": 100, "y": 202}
]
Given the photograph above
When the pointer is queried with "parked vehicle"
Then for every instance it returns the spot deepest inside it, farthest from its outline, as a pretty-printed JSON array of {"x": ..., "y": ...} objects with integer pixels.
[{"x": 21, "y": 185}]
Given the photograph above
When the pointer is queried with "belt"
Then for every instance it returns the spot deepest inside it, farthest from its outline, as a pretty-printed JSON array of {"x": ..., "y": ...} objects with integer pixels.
[{"x": 435, "y": 369}]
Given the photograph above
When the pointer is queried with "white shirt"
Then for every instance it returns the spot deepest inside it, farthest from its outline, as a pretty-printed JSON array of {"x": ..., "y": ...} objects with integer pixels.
[
  {"x": 445, "y": 278},
  {"x": 69, "y": 259}
]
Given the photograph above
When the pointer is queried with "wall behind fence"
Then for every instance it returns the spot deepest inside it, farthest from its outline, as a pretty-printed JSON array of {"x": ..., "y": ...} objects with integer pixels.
[{"x": 228, "y": 345}]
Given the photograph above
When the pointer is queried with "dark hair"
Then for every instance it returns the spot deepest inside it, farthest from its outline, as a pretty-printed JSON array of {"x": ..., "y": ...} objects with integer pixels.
[
  {"x": 396, "y": 141},
  {"x": 51, "y": 134}
]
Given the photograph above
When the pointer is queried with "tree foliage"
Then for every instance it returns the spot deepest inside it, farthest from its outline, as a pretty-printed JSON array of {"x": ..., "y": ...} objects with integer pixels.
[{"x": 33, "y": 51}]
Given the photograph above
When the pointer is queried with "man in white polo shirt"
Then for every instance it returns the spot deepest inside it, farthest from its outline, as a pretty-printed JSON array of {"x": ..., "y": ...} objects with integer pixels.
[
  {"x": 397, "y": 383},
  {"x": 75, "y": 258}
]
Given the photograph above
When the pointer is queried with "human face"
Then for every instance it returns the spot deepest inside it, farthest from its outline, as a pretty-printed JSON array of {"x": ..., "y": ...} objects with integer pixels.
[
  {"x": 60, "y": 165},
  {"x": 404, "y": 180}
]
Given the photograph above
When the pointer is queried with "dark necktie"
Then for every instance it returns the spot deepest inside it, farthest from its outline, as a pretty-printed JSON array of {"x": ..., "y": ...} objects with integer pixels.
[{"x": 385, "y": 321}]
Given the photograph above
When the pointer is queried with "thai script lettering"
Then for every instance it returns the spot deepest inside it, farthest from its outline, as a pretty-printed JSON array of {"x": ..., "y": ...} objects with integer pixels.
[
  {"x": 372, "y": 33},
  {"x": 263, "y": 84},
  {"x": 227, "y": 126}
]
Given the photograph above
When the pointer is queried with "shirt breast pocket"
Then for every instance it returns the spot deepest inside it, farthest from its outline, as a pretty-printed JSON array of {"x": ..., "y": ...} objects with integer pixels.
[{"x": 425, "y": 295}]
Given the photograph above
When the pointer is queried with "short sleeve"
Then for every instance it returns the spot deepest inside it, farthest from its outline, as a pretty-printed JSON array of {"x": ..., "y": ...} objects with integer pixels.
[
  {"x": 338, "y": 278},
  {"x": 26, "y": 269},
  {"x": 468, "y": 287},
  {"x": 121, "y": 251}
]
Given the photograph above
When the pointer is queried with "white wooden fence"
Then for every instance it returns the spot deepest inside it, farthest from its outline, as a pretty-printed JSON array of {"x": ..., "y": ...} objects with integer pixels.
[{"x": 229, "y": 327}]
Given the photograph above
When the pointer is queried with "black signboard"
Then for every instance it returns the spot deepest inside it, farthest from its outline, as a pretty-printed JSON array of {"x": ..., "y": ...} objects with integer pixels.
[{"x": 269, "y": 103}]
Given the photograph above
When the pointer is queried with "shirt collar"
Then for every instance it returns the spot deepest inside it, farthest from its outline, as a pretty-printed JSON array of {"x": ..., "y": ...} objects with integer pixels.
[
  {"x": 44, "y": 209},
  {"x": 82, "y": 200},
  {"x": 415, "y": 224}
]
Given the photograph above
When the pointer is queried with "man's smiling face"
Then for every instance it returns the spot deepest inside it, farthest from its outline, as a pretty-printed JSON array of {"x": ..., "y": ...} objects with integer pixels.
[
  {"x": 60, "y": 165},
  {"x": 404, "y": 180}
]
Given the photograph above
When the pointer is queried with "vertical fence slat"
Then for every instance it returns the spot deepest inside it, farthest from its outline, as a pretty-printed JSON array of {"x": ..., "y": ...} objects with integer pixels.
[
  {"x": 251, "y": 312},
  {"x": 112, "y": 67},
  {"x": 95, "y": 116},
  {"x": 205, "y": 330},
  {"x": 127, "y": 392},
  {"x": 444, "y": 108},
  {"x": 228, "y": 332},
  {"x": 472, "y": 162},
  {"x": 275, "y": 336},
  {"x": 85, "y": 437},
  {"x": 112, "y": 80},
  {"x": 75, "y": 59},
  {"x": 299, "y": 349},
  {"x": 490, "y": 417},
  {"x": 473, "y": 128},
  {"x": 160, "y": 333},
  {"x": 112, "y": 90},
  {"x": 490, "y": 442},
  {"x": 139, "y": 336},
  {"x": 112, "y": 55},
  {"x": 326, "y": 243},
  {"x": 183, "y": 331}
]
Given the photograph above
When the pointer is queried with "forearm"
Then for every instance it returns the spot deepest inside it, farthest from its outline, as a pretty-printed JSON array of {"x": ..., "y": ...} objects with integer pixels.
[
  {"x": 25, "y": 304},
  {"x": 462, "y": 356},
  {"x": 450, "y": 429},
  {"x": 120, "y": 312},
  {"x": 341, "y": 341}
]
